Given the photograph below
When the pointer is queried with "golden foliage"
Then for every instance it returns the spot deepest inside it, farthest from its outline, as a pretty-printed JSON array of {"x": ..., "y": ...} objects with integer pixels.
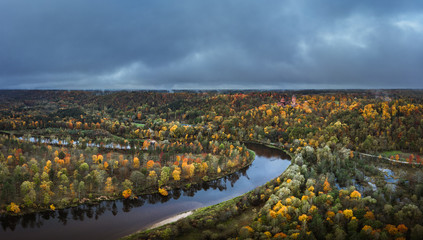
[
  {"x": 288, "y": 201},
  {"x": 13, "y": 208},
  {"x": 136, "y": 162},
  {"x": 100, "y": 158},
  {"x": 249, "y": 229},
  {"x": 402, "y": 228},
  {"x": 392, "y": 230},
  {"x": 176, "y": 174},
  {"x": 326, "y": 186},
  {"x": 127, "y": 193},
  {"x": 312, "y": 209},
  {"x": 163, "y": 192},
  {"x": 268, "y": 234},
  {"x": 355, "y": 194},
  {"x": 348, "y": 213},
  {"x": 302, "y": 218},
  {"x": 369, "y": 215},
  {"x": 280, "y": 235},
  {"x": 368, "y": 229},
  {"x": 109, "y": 185},
  {"x": 152, "y": 174},
  {"x": 295, "y": 235}
]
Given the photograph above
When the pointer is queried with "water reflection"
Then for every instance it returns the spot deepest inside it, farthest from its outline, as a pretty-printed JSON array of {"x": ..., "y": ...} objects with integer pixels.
[
  {"x": 267, "y": 152},
  {"x": 90, "y": 211},
  {"x": 113, "y": 219}
]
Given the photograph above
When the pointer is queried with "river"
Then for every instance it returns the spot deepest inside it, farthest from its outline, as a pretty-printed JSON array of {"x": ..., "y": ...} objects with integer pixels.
[{"x": 115, "y": 219}]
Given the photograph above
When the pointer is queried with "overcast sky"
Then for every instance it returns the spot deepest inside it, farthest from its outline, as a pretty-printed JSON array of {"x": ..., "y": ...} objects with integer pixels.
[{"x": 209, "y": 44}]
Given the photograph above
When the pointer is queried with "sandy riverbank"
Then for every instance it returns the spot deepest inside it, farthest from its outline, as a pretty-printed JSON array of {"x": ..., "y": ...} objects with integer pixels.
[{"x": 170, "y": 220}]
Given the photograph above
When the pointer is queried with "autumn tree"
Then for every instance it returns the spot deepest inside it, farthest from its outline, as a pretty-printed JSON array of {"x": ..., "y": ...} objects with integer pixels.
[
  {"x": 81, "y": 188},
  {"x": 27, "y": 190},
  {"x": 164, "y": 176},
  {"x": 163, "y": 191},
  {"x": 127, "y": 193},
  {"x": 150, "y": 164},
  {"x": 109, "y": 185},
  {"x": 326, "y": 186},
  {"x": 137, "y": 177},
  {"x": 176, "y": 174},
  {"x": 13, "y": 208},
  {"x": 136, "y": 163}
]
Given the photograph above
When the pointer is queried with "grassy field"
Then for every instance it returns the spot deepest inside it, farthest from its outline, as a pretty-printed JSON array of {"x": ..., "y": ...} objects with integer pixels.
[
  {"x": 391, "y": 153},
  {"x": 140, "y": 125},
  {"x": 402, "y": 155}
]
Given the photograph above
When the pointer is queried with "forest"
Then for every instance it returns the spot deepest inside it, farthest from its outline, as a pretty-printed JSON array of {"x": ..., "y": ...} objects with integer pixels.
[{"x": 356, "y": 158}]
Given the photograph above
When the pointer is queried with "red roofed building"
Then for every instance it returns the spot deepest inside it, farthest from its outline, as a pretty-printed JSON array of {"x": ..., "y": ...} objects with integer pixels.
[{"x": 282, "y": 103}]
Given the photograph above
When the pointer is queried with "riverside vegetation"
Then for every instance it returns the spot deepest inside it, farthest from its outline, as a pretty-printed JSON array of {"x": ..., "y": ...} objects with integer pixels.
[{"x": 60, "y": 148}]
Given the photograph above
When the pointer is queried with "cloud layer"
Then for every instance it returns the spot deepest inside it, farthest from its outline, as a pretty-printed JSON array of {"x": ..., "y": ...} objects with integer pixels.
[{"x": 190, "y": 44}]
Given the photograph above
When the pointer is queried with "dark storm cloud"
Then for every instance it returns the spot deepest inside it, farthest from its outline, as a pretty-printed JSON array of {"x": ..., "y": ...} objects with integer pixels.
[{"x": 211, "y": 44}]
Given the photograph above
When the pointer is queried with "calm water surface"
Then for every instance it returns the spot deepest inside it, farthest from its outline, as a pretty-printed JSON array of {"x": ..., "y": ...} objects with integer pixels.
[{"x": 114, "y": 219}]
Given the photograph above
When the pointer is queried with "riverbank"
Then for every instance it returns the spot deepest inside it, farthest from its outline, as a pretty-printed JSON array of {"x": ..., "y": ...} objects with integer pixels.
[
  {"x": 222, "y": 219},
  {"x": 271, "y": 145},
  {"x": 93, "y": 198},
  {"x": 180, "y": 185},
  {"x": 130, "y": 215},
  {"x": 170, "y": 220}
]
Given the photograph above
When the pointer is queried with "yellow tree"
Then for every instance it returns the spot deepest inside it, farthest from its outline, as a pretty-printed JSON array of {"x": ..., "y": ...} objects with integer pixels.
[
  {"x": 115, "y": 166},
  {"x": 302, "y": 218},
  {"x": 100, "y": 158},
  {"x": 13, "y": 208},
  {"x": 191, "y": 170},
  {"x": 127, "y": 193},
  {"x": 95, "y": 159},
  {"x": 326, "y": 186},
  {"x": 163, "y": 192},
  {"x": 152, "y": 174},
  {"x": 106, "y": 165},
  {"x": 176, "y": 174},
  {"x": 136, "y": 162},
  {"x": 47, "y": 167},
  {"x": 204, "y": 167},
  {"x": 348, "y": 213},
  {"x": 355, "y": 194},
  {"x": 269, "y": 112},
  {"x": 109, "y": 185}
]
